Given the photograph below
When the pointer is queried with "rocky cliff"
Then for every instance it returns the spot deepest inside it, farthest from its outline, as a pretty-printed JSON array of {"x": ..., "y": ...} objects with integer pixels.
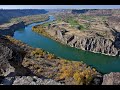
[
  {"x": 15, "y": 70},
  {"x": 9, "y": 28},
  {"x": 93, "y": 44},
  {"x": 21, "y": 64},
  {"x": 97, "y": 12},
  {"x": 105, "y": 40},
  {"x": 11, "y": 70},
  {"x": 6, "y": 15},
  {"x": 5, "y": 56}
]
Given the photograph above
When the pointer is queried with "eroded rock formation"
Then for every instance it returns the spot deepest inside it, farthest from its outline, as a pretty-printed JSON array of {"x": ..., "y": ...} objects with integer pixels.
[
  {"x": 9, "y": 29},
  {"x": 28, "y": 80},
  {"x": 112, "y": 78},
  {"x": 105, "y": 41},
  {"x": 5, "y": 56}
]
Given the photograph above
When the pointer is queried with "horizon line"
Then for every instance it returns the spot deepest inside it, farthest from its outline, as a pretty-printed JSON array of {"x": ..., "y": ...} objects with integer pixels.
[{"x": 60, "y": 6}]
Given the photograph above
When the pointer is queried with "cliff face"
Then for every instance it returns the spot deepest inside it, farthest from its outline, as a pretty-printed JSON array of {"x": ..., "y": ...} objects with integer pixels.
[
  {"x": 93, "y": 44},
  {"x": 11, "y": 57},
  {"x": 105, "y": 40},
  {"x": 5, "y": 56},
  {"x": 19, "y": 59},
  {"x": 11, "y": 68},
  {"x": 9, "y": 29},
  {"x": 98, "y": 12},
  {"x": 6, "y": 15}
]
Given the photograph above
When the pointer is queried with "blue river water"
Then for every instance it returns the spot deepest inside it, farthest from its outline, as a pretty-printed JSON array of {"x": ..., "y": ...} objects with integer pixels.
[{"x": 102, "y": 63}]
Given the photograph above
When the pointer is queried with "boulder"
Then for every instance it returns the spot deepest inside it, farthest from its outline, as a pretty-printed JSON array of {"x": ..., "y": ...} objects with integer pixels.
[
  {"x": 7, "y": 81},
  {"x": 112, "y": 78},
  {"x": 33, "y": 80}
]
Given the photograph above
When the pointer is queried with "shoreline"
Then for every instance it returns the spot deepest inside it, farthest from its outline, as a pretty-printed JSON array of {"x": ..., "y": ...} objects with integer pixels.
[
  {"x": 57, "y": 62},
  {"x": 9, "y": 30},
  {"x": 59, "y": 41}
]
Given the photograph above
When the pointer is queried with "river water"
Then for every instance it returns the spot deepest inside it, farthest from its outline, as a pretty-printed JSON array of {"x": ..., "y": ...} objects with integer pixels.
[{"x": 102, "y": 63}]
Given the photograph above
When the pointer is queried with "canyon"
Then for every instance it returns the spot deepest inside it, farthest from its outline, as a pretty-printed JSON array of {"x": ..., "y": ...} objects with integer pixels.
[
  {"x": 102, "y": 36},
  {"x": 21, "y": 64},
  {"x": 6, "y": 15}
]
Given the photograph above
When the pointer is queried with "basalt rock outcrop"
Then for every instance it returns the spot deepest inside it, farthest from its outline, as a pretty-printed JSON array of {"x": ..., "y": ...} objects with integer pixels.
[
  {"x": 97, "y": 12},
  {"x": 105, "y": 42},
  {"x": 6, "y": 15},
  {"x": 5, "y": 56},
  {"x": 12, "y": 72},
  {"x": 11, "y": 57},
  {"x": 93, "y": 44},
  {"x": 112, "y": 78},
  {"x": 26, "y": 62},
  {"x": 9, "y": 28},
  {"x": 28, "y": 80}
]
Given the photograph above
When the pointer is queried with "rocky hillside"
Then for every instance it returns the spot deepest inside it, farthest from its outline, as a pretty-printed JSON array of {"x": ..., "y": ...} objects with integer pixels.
[
  {"x": 79, "y": 11},
  {"x": 19, "y": 59},
  {"x": 9, "y": 28},
  {"x": 19, "y": 68},
  {"x": 20, "y": 22},
  {"x": 28, "y": 80},
  {"x": 31, "y": 19},
  {"x": 95, "y": 34},
  {"x": 6, "y": 15},
  {"x": 97, "y": 12}
]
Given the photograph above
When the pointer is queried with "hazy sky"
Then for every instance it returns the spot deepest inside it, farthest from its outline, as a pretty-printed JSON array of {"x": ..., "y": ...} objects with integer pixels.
[{"x": 60, "y": 6}]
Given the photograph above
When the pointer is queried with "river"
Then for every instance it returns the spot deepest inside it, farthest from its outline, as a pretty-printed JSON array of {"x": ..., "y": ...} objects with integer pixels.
[{"x": 103, "y": 63}]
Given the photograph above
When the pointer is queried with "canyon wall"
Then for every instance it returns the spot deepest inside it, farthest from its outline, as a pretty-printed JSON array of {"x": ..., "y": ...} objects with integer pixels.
[
  {"x": 93, "y": 44},
  {"x": 6, "y": 15},
  {"x": 10, "y": 28}
]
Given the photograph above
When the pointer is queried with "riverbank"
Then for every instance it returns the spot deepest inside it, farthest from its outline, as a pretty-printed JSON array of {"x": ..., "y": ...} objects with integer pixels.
[
  {"x": 39, "y": 63},
  {"x": 20, "y": 22},
  {"x": 6, "y": 15},
  {"x": 101, "y": 62},
  {"x": 88, "y": 40},
  {"x": 58, "y": 36},
  {"x": 45, "y": 65},
  {"x": 9, "y": 28}
]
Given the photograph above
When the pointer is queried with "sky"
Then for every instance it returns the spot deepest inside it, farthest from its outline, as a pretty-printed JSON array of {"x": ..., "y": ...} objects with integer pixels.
[{"x": 59, "y": 6}]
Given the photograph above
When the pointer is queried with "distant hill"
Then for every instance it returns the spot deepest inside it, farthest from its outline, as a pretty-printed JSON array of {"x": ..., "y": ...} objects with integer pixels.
[
  {"x": 6, "y": 14},
  {"x": 79, "y": 11},
  {"x": 59, "y": 10},
  {"x": 98, "y": 12}
]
